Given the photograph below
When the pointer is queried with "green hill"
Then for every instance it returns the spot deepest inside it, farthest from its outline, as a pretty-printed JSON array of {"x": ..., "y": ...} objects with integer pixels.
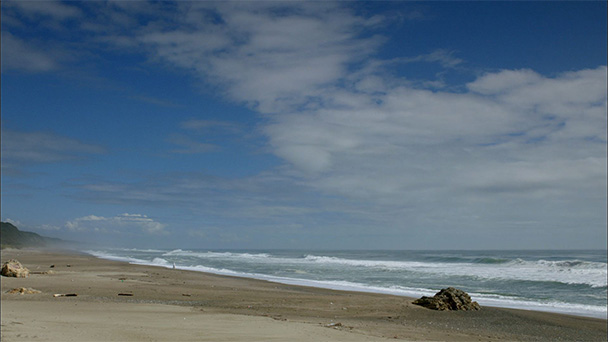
[{"x": 11, "y": 236}]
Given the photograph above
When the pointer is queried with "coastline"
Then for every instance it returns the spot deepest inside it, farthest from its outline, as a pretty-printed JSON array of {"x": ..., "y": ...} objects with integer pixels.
[
  {"x": 169, "y": 304},
  {"x": 528, "y": 280}
]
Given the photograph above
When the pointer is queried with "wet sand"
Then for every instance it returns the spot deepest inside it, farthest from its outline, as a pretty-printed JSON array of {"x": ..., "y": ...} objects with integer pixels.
[{"x": 176, "y": 305}]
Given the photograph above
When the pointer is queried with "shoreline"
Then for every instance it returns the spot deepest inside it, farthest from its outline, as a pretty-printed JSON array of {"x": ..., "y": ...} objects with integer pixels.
[
  {"x": 290, "y": 311},
  {"x": 550, "y": 307}
]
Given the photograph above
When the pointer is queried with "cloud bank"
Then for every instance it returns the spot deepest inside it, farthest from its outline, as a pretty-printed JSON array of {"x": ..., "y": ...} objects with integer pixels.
[{"x": 510, "y": 151}]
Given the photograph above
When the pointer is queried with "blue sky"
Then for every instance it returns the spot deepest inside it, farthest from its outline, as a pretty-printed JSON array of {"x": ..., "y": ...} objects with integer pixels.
[{"x": 401, "y": 125}]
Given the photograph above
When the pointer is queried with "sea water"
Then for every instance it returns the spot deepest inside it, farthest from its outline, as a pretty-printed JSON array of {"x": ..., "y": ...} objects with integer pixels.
[{"x": 572, "y": 282}]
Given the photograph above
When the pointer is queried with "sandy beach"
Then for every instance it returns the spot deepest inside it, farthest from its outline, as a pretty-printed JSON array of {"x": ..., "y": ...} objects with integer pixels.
[{"x": 121, "y": 302}]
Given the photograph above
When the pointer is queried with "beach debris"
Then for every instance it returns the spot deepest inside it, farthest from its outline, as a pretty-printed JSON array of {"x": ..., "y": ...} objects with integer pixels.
[
  {"x": 68, "y": 265},
  {"x": 23, "y": 290},
  {"x": 186, "y": 294},
  {"x": 52, "y": 266},
  {"x": 42, "y": 272},
  {"x": 334, "y": 325},
  {"x": 125, "y": 294},
  {"x": 13, "y": 268},
  {"x": 448, "y": 299},
  {"x": 65, "y": 295}
]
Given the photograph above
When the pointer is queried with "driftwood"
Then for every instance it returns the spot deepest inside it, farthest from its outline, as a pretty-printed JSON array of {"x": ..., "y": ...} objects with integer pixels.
[
  {"x": 125, "y": 294},
  {"x": 65, "y": 295},
  {"x": 42, "y": 272}
]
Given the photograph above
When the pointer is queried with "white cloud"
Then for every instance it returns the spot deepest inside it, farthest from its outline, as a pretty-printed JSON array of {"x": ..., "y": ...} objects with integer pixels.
[
  {"x": 416, "y": 158},
  {"x": 15, "y": 223},
  {"x": 117, "y": 224},
  {"x": 513, "y": 146},
  {"x": 575, "y": 100},
  {"x": 379, "y": 137},
  {"x": 270, "y": 61},
  {"x": 311, "y": 158},
  {"x": 496, "y": 83}
]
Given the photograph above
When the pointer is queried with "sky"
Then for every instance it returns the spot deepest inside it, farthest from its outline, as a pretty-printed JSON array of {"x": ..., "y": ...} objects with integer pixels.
[{"x": 306, "y": 125}]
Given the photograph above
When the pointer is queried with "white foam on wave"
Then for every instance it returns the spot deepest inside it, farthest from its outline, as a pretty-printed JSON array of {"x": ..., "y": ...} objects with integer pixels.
[
  {"x": 160, "y": 261},
  {"x": 141, "y": 250},
  {"x": 596, "y": 311},
  {"x": 483, "y": 299},
  {"x": 131, "y": 260},
  {"x": 103, "y": 255},
  {"x": 565, "y": 271},
  {"x": 594, "y": 274},
  {"x": 387, "y": 264},
  {"x": 217, "y": 255}
]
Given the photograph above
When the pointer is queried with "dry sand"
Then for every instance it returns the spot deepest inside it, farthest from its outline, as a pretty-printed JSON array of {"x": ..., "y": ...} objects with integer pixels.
[{"x": 175, "y": 305}]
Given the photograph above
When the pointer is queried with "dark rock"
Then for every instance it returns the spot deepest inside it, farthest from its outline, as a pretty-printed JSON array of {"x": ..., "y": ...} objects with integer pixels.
[{"x": 448, "y": 299}]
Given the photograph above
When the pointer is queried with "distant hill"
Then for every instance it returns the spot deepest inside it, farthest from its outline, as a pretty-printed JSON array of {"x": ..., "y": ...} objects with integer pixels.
[{"x": 12, "y": 237}]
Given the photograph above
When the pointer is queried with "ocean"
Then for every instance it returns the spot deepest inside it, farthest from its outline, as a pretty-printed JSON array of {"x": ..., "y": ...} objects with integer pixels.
[{"x": 572, "y": 282}]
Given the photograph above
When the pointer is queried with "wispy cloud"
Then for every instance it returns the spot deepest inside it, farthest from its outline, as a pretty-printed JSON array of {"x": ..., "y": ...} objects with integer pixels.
[
  {"x": 189, "y": 145},
  {"x": 199, "y": 125},
  {"x": 116, "y": 224},
  {"x": 25, "y": 148},
  {"x": 155, "y": 101},
  {"x": 17, "y": 54},
  {"x": 34, "y": 54},
  {"x": 36, "y": 9},
  {"x": 358, "y": 141},
  {"x": 197, "y": 136},
  {"x": 444, "y": 57},
  {"x": 269, "y": 60},
  {"x": 344, "y": 129}
]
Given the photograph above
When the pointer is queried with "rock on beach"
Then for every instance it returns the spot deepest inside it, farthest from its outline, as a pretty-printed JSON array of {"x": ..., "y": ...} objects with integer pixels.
[
  {"x": 13, "y": 268},
  {"x": 23, "y": 290},
  {"x": 449, "y": 299}
]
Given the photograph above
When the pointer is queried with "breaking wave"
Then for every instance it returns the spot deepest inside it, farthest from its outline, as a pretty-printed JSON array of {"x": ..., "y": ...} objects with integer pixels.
[{"x": 560, "y": 284}]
